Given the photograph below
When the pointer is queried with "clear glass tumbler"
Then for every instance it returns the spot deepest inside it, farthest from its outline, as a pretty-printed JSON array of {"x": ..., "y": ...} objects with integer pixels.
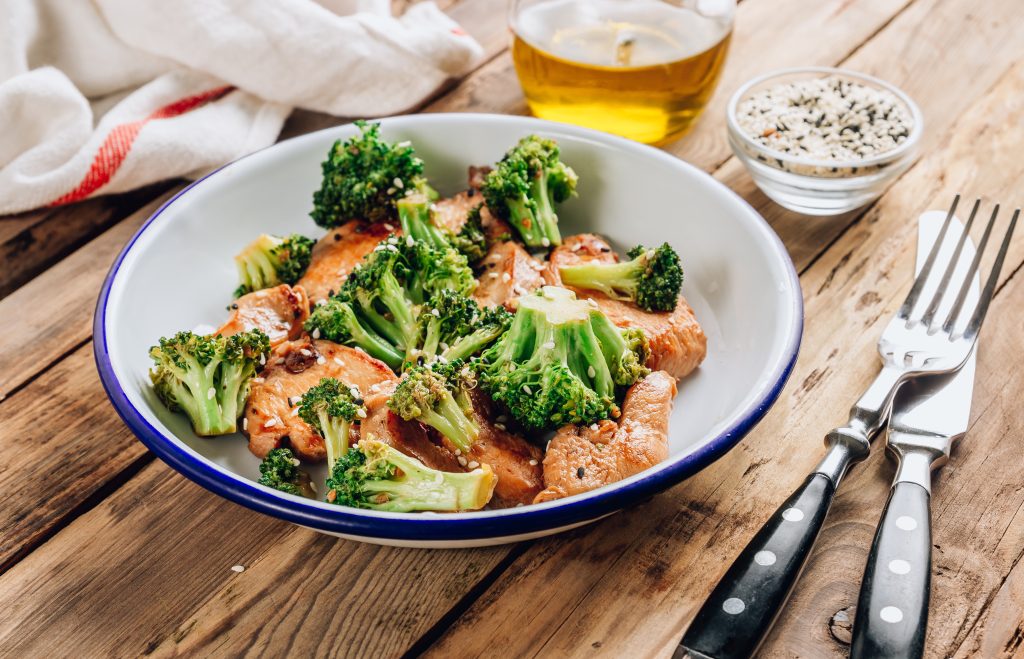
[{"x": 643, "y": 69}]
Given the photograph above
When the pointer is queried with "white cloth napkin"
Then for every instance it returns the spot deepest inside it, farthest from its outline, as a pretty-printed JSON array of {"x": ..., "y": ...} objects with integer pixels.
[{"x": 109, "y": 95}]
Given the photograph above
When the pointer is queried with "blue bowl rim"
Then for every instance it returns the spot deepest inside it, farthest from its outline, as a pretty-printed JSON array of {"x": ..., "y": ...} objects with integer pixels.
[{"x": 428, "y": 528}]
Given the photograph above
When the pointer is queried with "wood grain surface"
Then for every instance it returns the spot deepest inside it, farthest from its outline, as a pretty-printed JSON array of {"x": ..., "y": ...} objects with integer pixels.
[{"x": 107, "y": 552}]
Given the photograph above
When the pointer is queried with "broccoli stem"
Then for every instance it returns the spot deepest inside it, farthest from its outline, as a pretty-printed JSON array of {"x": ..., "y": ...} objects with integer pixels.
[
  {"x": 546, "y": 219},
  {"x": 336, "y": 435},
  {"x": 417, "y": 221},
  {"x": 431, "y": 341},
  {"x": 469, "y": 345},
  {"x": 449, "y": 419},
  {"x": 422, "y": 488},
  {"x": 392, "y": 295},
  {"x": 618, "y": 281},
  {"x": 204, "y": 410}
]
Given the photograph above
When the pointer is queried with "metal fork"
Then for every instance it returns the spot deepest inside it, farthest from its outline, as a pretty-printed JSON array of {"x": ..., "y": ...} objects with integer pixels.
[{"x": 739, "y": 612}]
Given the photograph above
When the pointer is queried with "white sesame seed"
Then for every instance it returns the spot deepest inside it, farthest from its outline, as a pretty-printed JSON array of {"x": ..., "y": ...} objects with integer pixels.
[
  {"x": 500, "y": 426},
  {"x": 593, "y": 427},
  {"x": 458, "y": 451},
  {"x": 374, "y": 388},
  {"x": 321, "y": 360},
  {"x": 398, "y": 183},
  {"x": 271, "y": 423},
  {"x": 545, "y": 242},
  {"x": 295, "y": 411},
  {"x": 305, "y": 353},
  {"x": 279, "y": 361},
  {"x": 492, "y": 275},
  {"x": 245, "y": 423},
  {"x": 473, "y": 465},
  {"x": 506, "y": 277},
  {"x": 462, "y": 461},
  {"x": 442, "y": 345},
  {"x": 361, "y": 413},
  {"x": 591, "y": 302},
  {"x": 210, "y": 393},
  {"x": 526, "y": 390},
  {"x": 263, "y": 360},
  {"x": 259, "y": 380},
  {"x": 577, "y": 247},
  {"x": 316, "y": 333},
  {"x": 295, "y": 400},
  {"x": 354, "y": 391},
  {"x": 403, "y": 144},
  {"x": 591, "y": 372},
  {"x": 296, "y": 462},
  {"x": 338, "y": 362},
  {"x": 389, "y": 226},
  {"x": 238, "y": 568},
  {"x": 533, "y": 463},
  {"x": 392, "y": 190},
  {"x": 550, "y": 345},
  {"x": 436, "y": 313}
]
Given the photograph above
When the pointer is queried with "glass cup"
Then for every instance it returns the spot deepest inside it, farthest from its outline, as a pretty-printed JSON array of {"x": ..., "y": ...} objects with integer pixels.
[{"x": 643, "y": 69}]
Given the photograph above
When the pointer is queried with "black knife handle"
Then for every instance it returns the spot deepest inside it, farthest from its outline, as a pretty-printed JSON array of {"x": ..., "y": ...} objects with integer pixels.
[
  {"x": 740, "y": 611},
  {"x": 892, "y": 610}
]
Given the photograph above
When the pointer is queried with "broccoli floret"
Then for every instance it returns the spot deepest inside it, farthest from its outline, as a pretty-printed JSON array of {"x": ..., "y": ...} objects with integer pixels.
[
  {"x": 331, "y": 407},
  {"x": 453, "y": 326},
  {"x": 652, "y": 278},
  {"x": 280, "y": 470},
  {"x": 436, "y": 395},
  {"x": 272, "y": 260},
  {"x": 364, "y": 177},
  {"x": 207, "y": 377},
  {"x": 525, "y": 186},
  {"x": 561, "y": 361},
  {"x": 376, "y": 476},
  {"x": 471, "y": 240},
  {"x": 336, "y": 321}
]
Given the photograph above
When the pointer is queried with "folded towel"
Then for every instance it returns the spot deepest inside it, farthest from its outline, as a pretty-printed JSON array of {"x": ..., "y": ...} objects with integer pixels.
[{"x": 109, "y": 95}]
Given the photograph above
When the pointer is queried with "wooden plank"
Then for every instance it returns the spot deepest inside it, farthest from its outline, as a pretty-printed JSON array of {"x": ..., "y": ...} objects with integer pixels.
[
  {"x": 632, "y": 583},
  {"x": 149, "y": 571},
  {"x": 52, "y": 315},
  {"x": 30, "y": 242},
  {"x": 62, "y": 442},
  {"x": 999, "y": 631}
]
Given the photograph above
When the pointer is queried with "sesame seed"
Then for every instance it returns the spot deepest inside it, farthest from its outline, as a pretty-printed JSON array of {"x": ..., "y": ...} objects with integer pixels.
[
  {"x": 545, "y": 242},
  {"x": 500, "y": 426},
  {"x": 392, "y": 190},
  {"x": 271, "y": 423},
  {"x": 338, "y": 362},
  {"x": 577, "y": 247},
  {"x": 410, "y": 241},
  {"x": 279, "y": 361},
  {"x": 374, "y": 388},
  {"x": 594, "y": 427},
  {"x": 458, "y": 451},
  {"x": 580, "y": 472},
  {"x": 550, "y": 345},
  {"x": 436, "y": 313},
  {"x": 492, "y": 275},
  {"x": 210, "y": 393},
  {"x": 305, "y": 353},
  {"x": 462, "y": 461},
  {"x": 502, "y": 418},
  {"x": 295, "y": 400},
  {"x": 245, "y": 423},
  {"x": 259, "y": 380},
  {"x": 506, "y": 277},
  {"x": 316, "y": 333},
  {"x": 591, "y": 372},
  {"x": 473, "y": 465},
  {"x": 295, "y": 411},
  {"x": 526, "y": 390},
  {"x": 398, "y": 183},
  {"x": 361, "y": 413},
  {"x": 389, "y": 226},
  {"x": 238, "y": 568},
  {"x": 321, "y": 360},
  {"x": 404, "y": 144},
  {"x": 533, "y": 463},
  {"x": 263, "y": 360},
  {"x": 296, "y": 462}
]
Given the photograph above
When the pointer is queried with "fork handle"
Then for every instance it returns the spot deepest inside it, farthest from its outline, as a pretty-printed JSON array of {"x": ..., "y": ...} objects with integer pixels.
[
  {"x": 742, "y": 607},
  {"x": 892, "y": 609}
]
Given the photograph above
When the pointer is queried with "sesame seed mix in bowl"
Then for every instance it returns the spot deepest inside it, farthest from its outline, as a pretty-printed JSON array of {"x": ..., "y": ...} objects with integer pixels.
[{"x": 828, "y": 119}]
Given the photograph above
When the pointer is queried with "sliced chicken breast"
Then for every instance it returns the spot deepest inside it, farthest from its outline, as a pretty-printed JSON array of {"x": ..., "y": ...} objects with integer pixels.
[
  {"x": 338, "y": 252},
  {"x": 279, "y": 311},
  {"x": 507, "y": 272},
  {"x": 584, "y": 458},
  {"x": 678, "y": 344},
  {"x": 271, "y": 418}
]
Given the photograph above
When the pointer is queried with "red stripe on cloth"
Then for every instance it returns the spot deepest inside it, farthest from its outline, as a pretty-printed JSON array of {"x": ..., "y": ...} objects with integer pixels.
[{"x": 119, "y": 140}]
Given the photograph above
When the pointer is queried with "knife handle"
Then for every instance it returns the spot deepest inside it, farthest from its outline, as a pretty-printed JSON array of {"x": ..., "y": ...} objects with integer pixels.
[
  {"x": 892, "y": 609},
  {"x": 741, "y": 609}
]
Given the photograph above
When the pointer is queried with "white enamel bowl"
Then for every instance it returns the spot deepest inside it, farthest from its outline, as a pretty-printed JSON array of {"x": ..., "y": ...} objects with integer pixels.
[{"x": 177, "y": 273}]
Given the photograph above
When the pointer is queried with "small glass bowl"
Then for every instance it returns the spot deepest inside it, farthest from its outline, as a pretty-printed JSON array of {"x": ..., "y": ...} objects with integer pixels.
[{"x": 820, "y": 187}]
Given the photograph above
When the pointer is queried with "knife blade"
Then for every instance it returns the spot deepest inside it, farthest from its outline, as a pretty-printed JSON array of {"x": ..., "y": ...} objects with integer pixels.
[{"x": 928, "y": 416}]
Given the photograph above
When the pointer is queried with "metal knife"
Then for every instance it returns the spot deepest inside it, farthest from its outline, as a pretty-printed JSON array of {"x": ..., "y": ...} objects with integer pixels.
[{"x": 892, "y": 609}]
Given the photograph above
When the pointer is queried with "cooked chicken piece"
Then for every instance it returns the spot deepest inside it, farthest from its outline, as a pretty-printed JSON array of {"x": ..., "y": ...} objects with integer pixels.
[
  {"x": 451, "y": 214},
  {"x": 477, "y": 175},
  {"x": 507, "y": 272},
  {"x": 678, "y": 344},
  {"x": 279, "y": 311},
  {"x": 580, "y": 458},
  {"x": 272, "y": 421},
  {"x": 409, "y": 437},
  {"x": 338, "y": 252}
]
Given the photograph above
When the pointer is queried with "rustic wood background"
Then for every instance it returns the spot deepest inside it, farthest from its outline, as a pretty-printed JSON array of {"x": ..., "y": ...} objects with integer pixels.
[{"x": 106, "y": 552}]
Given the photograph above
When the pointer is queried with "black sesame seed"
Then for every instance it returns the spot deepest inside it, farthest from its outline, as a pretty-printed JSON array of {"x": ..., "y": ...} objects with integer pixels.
[{"x": 580, "y": 472}]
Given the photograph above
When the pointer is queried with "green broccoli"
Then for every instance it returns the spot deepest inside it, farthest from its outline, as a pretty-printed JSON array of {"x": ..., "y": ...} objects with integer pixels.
[
  {"x": 280, "y": 470},
  {"x": 652, "y": 278},
  {"x": 272, "y": 260},
  {"x": 364, "y": 177},
  {"x": 331, "y": 407},
  {"x": 471, "y": 240},
  {"x": 436, "y": 395},
  {"x": 562, "y": 361},
  {"x": 336, "y": 321},
  {"x": 416, "y": 215},
  {"x": 207, "y": 377},
  {"x": 525, "y": 186},
  {"x": 377, "y": 307},
  {"x": 453, "y": 326},
  {"x": 376, "y": 476}
]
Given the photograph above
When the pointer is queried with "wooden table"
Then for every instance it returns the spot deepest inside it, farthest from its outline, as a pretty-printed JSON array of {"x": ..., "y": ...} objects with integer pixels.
[{"x": 106, "y": 551}]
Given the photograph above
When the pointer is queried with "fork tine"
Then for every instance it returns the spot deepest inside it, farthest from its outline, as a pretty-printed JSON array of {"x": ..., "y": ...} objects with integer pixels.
[
  {"x": 968, "y": 282},
  {"x": 993, "y": 279},
  {"x": 940, "y": 292},
  {"x": 922, "y": 277}
]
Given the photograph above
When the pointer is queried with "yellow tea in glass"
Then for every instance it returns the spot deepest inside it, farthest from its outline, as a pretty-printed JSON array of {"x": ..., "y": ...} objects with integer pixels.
[{"x": 643, "y": 69}]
